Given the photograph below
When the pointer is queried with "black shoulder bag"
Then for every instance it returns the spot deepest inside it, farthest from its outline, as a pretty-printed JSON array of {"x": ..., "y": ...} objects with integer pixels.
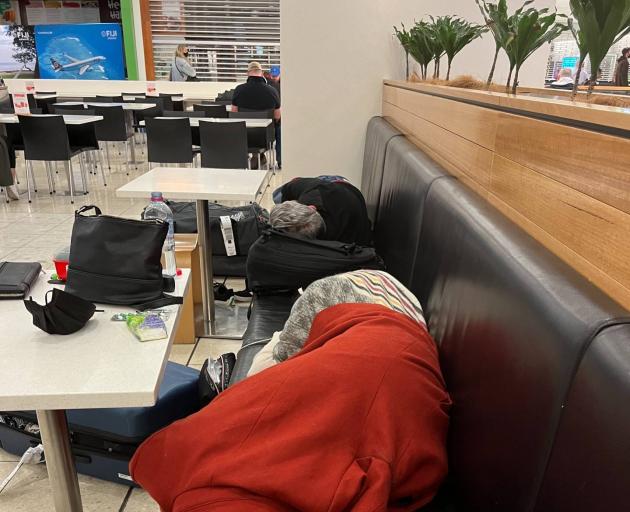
[{"x": 117, "y": 261}]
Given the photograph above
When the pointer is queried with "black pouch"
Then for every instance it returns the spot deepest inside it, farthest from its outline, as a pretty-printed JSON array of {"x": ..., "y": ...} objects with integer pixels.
[{"x": 117, "y": 261}]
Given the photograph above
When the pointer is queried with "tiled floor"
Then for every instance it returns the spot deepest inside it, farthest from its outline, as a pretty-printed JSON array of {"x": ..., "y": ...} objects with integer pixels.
[{"x": 35, "y": 232}]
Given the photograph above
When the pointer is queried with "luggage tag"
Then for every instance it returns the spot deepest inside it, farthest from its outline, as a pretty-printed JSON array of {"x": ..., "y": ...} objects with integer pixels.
[{"x": 228, "y": 235}]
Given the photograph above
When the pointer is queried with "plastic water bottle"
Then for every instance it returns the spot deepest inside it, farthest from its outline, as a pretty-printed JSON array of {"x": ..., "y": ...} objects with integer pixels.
[{"x": 158, "y": 209}]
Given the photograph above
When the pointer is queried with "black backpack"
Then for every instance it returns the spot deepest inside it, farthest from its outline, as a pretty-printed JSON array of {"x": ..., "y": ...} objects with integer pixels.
[{"x": 280, "y": 261}]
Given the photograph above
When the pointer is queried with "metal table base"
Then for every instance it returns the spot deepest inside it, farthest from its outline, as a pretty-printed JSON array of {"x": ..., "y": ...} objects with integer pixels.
[{"x": 62, "y": 472}]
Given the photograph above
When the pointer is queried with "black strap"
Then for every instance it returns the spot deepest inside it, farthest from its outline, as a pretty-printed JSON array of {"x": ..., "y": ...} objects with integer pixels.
[
  {"x": 87, "y": 208},
  {"x": 166, "y": 300}
]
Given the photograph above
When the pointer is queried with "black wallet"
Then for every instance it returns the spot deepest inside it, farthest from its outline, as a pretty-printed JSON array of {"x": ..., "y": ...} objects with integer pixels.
[{"x": 16, "y": 279}]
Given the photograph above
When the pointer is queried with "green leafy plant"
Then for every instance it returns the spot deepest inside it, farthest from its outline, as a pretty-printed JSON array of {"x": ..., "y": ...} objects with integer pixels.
[
  {"x": 601, "y": 23},
  {"x": 404, "y": 37},
  {"x": 528, "y": 30},
  {"x": 496, "y": 18},
  {"x": 453, "y": 34}
]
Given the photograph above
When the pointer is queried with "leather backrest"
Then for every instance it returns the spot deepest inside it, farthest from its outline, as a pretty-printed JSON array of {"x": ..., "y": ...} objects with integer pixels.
[
  {"x": 512, "y": 322},
  {"x": 408, "y": 174},
  {"x": 589, "y": 463},
  {"x": 379, "y": 133},
  {"x": 268, "y": 314}
]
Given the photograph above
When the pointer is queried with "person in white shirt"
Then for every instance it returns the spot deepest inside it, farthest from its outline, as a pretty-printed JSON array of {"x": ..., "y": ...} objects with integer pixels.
[{"x": 181, "y": 70}]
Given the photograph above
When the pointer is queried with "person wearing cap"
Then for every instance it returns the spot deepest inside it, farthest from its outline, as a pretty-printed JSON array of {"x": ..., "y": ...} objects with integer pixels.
[{"x": 257, "y": 94}]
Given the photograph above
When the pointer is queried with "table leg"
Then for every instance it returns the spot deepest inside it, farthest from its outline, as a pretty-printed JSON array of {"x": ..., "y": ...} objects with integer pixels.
[
  {"x": 62, "y": 473},
  {"x": 205, "y": 254}
]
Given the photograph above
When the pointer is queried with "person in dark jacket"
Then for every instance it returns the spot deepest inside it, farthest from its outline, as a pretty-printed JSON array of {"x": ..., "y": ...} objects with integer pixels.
[
  {"x": 621, "y": 71},
  {"x": 340, "y": 205}
]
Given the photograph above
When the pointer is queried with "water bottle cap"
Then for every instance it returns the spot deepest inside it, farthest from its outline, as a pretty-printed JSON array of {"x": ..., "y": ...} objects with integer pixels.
[{"x": 156, "y": 196}]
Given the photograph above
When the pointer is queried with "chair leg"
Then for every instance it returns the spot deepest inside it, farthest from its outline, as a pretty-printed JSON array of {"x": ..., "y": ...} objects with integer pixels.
[
  {"x": 100, "y": 158},
  {"x": 6, "y": 194},
  {"x": 109, "y": 162},
  {"x": 83, "y": 174},
  {"x": 33, "y": 178},
  {"x": 68, "y": 166},
  {"x": 48, "y": 177},
  {"x": 259, "y": 162},
  {"x": 52, "y": 177},
  {"x": 28, "y": 179},
  {"x": 127, "y": 155}
]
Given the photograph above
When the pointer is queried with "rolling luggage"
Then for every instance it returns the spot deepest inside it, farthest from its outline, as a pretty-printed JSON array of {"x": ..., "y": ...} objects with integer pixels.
[
  {"x": 248, "y": 222},
  {"x": 280, "y": 261},
  {"x": 104, "y": 440}
]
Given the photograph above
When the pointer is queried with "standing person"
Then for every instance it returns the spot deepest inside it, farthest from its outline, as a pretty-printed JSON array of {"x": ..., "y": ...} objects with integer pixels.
[
  {"x": 621, "y": 71},
  {"x": 257, "y": 94},
  {"x": 181, "y": 70}
]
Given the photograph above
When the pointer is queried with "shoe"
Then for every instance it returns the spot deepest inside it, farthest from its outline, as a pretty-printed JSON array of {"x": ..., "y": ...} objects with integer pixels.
[
  {"x": 243, "y": 296},
  {"x": 12, "y": 192},
  {"x": 221, "y": 293}
]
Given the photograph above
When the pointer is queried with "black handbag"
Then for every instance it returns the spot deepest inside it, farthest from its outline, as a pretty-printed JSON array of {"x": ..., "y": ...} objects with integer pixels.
[
  {"x": 280, "y": 261},
  {"x": 117, "y": 261}
]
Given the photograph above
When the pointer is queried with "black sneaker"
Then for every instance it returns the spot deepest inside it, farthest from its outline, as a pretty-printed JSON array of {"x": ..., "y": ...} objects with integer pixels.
[
  {"x": 243, "y": 296},
  {"x": 221, "y": 293}
]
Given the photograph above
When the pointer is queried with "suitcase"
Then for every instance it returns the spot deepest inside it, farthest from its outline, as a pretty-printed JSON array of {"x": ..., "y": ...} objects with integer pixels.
[
  {"x": 280, "y": 261},
  {"x": 248, "y": 222},
  {"x": 104, "y": 440}
]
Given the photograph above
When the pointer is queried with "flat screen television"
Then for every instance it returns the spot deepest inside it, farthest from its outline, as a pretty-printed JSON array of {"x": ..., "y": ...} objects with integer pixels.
[{"x": 86, "y": 51}]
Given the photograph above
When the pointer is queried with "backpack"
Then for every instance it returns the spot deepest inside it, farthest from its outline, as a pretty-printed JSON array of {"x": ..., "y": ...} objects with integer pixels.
[{"x": 280, "y": 261}]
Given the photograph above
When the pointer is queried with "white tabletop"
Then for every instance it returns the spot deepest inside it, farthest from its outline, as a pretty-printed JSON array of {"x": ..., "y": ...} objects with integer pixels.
[
  {"x": 102, "y": 365},
  {"x": 197, "y": 184},
  {"x": 249, "y": 123},
  {"x": 70, "y": 119},
  {"x": 128, "y": 97},
  {"x": 125, "y": 106}
]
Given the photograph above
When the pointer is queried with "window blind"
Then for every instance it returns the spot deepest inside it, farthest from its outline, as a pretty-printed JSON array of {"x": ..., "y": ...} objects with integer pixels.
[{"x": 222, "y": 36}]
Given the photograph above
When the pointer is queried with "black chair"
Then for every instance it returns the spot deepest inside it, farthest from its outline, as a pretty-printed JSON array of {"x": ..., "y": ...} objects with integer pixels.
[
  {"x": 224, "y": 145},
  {"x": 47, "y": 93},
  {"x": 211, "y": 110},
  {"x": 259, "y": 140},
  {"x": 84, "y": 136},
  {"x": 113, "y": 128},
  {"x": 109, "y": 99},
  {"x": 167, "y": 101},
  {"x": 188, "y": 113},
  {"x": 169, "y": 140},
  {"x": 6, "y": 177},
  {"x": 67, "y": 107},
  {"x": 134, "y": 94},
  {"x": 46, "y": 139}
]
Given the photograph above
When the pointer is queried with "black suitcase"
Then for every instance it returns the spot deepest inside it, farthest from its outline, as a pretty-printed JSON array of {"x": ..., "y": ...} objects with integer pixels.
[
  {"x": 104, "y": 440},
  {"x": 280, "y": 261},
  {"x": 248, "y": 222}
]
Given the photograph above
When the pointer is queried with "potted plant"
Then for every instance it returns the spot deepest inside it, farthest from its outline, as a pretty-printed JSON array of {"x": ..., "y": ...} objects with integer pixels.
[
  {"x": 601, "y": 23},
  {"x": 404, "y": 37},
  {"x": 496, "y": 18},
  {"x": 453, "y": 34}
]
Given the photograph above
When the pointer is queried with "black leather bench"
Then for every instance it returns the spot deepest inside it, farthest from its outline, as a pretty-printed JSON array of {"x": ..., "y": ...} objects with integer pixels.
[{"x": 537, "y": 360}]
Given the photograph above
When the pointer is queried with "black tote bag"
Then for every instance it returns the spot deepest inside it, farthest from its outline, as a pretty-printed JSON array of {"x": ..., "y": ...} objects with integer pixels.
[{"x": 117, "y": 261}]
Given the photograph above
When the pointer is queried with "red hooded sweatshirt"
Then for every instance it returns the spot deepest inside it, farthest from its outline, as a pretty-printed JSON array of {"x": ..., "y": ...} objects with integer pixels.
[{"x": 356, "y": 421}]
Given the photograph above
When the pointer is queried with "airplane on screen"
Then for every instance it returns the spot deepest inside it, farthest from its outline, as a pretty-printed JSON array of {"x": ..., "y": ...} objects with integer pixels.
[{"x": 83, "y": 65}]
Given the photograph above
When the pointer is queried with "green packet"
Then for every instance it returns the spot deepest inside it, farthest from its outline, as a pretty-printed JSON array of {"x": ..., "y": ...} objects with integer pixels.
[{"x": 146, "y": 326}]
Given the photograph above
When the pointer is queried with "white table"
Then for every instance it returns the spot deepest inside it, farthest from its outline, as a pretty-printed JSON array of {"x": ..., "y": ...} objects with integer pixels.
[
  {"x": 102, "y": 365},
  {"x": 202, "y": 185},
  {"x": 70, "y": 119},
  {"x": 249, "y": 123},
  {"x": 125, "y": 106}
]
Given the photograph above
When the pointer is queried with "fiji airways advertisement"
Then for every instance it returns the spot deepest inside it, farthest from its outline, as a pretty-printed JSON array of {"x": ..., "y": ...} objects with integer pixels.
[{"x": 91, "y": 51}]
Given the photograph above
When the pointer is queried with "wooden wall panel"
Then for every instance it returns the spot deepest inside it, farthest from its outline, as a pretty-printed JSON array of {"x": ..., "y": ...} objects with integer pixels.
[
  {"x": 590, "y": 162},
  {"x": 470, "y": 122},
  {"x": 567, "y": 187}
]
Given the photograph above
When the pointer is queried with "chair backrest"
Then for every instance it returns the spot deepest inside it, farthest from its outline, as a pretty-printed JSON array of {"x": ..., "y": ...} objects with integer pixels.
[
  {"x": 113, "y": 127},
  {"x": 157, "y": 111},
  {"x": 252, "y": 114},
  {"x": 45, "y": 138},
  {"x": 6, "y": 178},
  {"x": 75, "y": 112},
  {"x": 109, "y": 99},
  {"x": 93, "y": 99},
  {"x": 135, "y": 94},
  {"x": 52, "y": 93},
  {"x": 223, "y": 145},
  {"x": 185, "y": 113},
  {"x": 66, "y": 107},
  {"x": 169, "y": 140},
  {"x": 211, "y": 110}
]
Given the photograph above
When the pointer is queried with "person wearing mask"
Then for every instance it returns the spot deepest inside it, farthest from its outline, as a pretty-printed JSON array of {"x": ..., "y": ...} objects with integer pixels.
[
  {"x": 328, "y": 208},
  {"x": 257, "y": 94},
  {"x": 181, "y": 70},
  {"x": 621, "y": 71}
]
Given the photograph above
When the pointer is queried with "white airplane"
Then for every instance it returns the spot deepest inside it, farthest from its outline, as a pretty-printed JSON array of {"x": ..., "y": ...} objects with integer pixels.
[{"x": 83, "y": 65}]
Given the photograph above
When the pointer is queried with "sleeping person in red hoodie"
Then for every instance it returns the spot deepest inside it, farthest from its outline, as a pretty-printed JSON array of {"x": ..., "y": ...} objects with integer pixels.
[{"x": 356, "y": 420}]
